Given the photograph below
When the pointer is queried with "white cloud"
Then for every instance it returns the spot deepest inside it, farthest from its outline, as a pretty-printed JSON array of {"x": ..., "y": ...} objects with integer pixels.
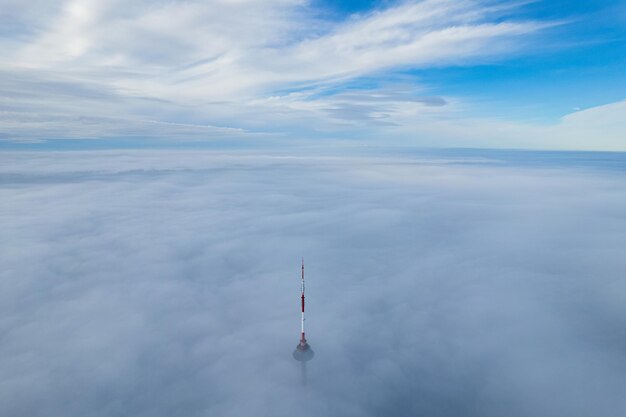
[
  {"x": 160, "y": 283},
  {"x": 204, "y": 70},
  {"x": 597, "y": 128},
  {"x": 218, "y": 63}
]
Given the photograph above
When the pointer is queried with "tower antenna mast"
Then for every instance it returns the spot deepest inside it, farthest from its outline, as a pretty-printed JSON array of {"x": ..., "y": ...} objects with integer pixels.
[{"x": 303, "y": 351}]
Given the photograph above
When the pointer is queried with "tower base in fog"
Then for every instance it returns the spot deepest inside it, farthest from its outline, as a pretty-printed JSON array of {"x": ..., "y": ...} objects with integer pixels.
[{"x": 303, "y": 352}]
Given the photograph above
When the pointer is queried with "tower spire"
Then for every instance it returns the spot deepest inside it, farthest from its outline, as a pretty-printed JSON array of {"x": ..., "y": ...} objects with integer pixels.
[
  {"x": 303, "y": 351},
  {"x": 302, "y": 338}
]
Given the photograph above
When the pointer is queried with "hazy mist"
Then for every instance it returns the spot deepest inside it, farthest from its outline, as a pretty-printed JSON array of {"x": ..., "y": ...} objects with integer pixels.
[{"x": 153, "y": 283}]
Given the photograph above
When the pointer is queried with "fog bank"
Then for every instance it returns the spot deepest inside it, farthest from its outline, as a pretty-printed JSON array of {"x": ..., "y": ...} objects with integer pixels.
[{"x": 153, "y": 283}]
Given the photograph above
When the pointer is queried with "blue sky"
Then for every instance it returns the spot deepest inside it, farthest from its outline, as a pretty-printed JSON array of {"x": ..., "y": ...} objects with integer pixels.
[
  {"x": 581, "y": 65},
  {"x": 434, "y": 73}
]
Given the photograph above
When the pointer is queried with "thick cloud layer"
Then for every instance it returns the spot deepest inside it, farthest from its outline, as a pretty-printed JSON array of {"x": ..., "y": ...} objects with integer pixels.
[{"x": 160, "y": 284}]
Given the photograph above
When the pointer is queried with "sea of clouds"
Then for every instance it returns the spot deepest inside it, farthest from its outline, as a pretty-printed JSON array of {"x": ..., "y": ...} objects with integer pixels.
[{"x": 156, "y": 283}]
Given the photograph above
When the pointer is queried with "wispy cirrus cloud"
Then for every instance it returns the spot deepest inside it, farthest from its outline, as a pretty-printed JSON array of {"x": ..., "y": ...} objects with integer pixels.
[
  {"x": 224, "y": 63},
  {"x": 196, "y": 70}
]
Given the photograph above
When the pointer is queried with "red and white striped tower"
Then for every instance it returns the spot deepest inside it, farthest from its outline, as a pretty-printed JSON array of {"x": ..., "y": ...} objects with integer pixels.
[
  {"x": 302, "y": 338},
  {"x": 303, "y": 351}
]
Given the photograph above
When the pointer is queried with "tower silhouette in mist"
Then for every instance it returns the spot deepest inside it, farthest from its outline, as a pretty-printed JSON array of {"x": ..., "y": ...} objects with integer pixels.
[{"x": 303, "y": 352}]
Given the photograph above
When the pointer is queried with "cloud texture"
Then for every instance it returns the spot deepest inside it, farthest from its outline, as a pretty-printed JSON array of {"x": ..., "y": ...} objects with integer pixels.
[
  {"x": 205, "y": 70},
  {"x": 219, "y": 70},
  {"x": 158, "y": 284}
]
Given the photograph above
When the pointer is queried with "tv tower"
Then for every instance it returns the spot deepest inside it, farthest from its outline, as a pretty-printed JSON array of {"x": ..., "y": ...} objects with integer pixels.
[{"x": 303, "y": 352}]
